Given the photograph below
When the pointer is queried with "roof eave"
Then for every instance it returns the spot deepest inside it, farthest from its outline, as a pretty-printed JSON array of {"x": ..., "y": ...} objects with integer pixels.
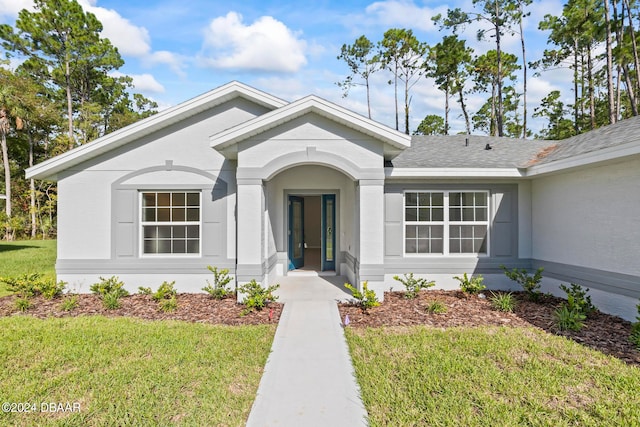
[{"x": 417, "y": 173}]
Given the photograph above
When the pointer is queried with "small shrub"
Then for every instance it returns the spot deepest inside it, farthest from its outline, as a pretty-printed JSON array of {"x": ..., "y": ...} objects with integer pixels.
[
  {"x": 578, "y": 300},
  {"x": 30, "y": 285},
  {"x": 413, "y": 285},
  {"x": 436, "y": 307},
  {"x": 69, "y": 303},
  {"x": 23, "y": 304},
  {"x": 165, "y": 291},
  {"x": 256, "y": 296},
  {"x": 471, "y": 286},
  {"x": 50, "y": 289},
  {"x": 110, "y": 291},
  {"x": 569, "y": 320},
  {"x": 366, "y": 299},
  {"x": 221, "y": 279},
  {"x": 144, "y": 290},
  {"x": 168, "y": 305},
  {"x": 502, "y": 301},
  {"x": 635, "y": 330},
  {"x": 530, "y": 283}
]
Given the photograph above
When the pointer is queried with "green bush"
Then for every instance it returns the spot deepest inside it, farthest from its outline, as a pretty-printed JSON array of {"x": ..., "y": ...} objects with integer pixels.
[
  {"x": 144, "y": 290},
  {"x": 471, "y": 286},
  {"x": 366, "y": 299},
  {"x": 165, "y": 291},
  {"x": 530, "y": 283},
  {"x": 221, "y": 279},
  {"x": 110, "y": 291},
  {"x": 413, "y": 285},
  {"x": 635, "y": 330},
  {"x": 503, "y": 301},
  {"x": 257, "y": 297},
  {"x": 578, "y": 300},
  {"x": 30, "y": 285},
  {"x": 569, "y": 320},
  {"x": 436, "y": 307},
  {"x": 23, "y": 304},
  {"x": 69, "y": 303},
  {"x": 169, "y": 304}
]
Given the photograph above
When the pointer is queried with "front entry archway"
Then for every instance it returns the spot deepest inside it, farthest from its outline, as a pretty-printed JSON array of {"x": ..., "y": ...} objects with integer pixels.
[{"x": 311, "y": 232}]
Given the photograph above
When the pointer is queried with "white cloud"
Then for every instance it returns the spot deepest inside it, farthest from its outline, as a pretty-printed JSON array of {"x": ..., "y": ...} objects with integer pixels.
[
  {"x": 265, "y": 45},
  {"x": 12, "y": 7},
  {"x": 143, "y": 82},
  {"x": 403, "y": 13}
]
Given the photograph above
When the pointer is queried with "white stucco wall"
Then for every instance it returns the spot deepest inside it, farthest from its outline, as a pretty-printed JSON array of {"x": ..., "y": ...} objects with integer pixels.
[{"x": 589, "y": 218}]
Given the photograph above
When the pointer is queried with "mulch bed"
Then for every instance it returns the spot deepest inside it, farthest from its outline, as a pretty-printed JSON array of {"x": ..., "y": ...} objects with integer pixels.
[
  {"x": 602, "y": 332},
  {"x": 200, "y": 308}
]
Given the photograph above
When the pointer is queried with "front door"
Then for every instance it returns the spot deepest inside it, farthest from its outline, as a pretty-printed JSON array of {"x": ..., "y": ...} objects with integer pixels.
[
  {"x": 328, "y": 231},
  {"x": 296, "y": 232}
]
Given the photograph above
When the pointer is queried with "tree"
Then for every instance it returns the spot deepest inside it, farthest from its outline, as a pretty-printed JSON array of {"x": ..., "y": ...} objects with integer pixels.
[
  {"x": 553, "y": 109},
  {"x": 5, "y": 127},
  {"x": 432, "y": 124},
  {"x": 61, "y": 44},
  {"x": 403, "y": 55},
  {"x": 362, "y": 62},
  {"x": 448, "y": 61}
]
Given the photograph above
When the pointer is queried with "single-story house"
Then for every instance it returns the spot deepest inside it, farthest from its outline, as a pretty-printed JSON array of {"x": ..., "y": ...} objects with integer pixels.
[{"x": 239, "y": 179}]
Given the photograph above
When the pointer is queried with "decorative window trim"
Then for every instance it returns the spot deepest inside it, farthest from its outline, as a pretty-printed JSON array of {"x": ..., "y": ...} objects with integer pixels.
[
  {"x": 183, "y": 225},
  {"x": 442, "y": 219}
]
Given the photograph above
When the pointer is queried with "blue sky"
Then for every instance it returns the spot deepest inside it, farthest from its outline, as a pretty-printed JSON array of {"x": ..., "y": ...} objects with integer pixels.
[{"x": 176, "y": 50}]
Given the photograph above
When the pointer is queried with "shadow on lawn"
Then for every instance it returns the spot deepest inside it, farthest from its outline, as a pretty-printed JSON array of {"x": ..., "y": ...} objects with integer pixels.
[{"x": 7, "y": 248}]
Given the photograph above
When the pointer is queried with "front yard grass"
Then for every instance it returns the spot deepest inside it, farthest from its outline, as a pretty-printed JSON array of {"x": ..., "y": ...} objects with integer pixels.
[
  {"x": 27, "y": 256},
  {"x": 123, "y": 371},
  {"x": 489, "y": 376}
]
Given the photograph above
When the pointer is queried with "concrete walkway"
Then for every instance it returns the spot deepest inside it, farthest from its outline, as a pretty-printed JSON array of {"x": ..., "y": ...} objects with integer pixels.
[{"x": 308, "y": 380}]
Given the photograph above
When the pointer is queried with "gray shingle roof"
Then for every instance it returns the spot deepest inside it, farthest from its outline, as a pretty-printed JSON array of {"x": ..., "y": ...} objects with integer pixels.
[{"x": 450, "y": 151}]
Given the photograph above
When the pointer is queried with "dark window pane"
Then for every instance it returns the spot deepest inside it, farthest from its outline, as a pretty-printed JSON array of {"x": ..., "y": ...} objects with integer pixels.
[
  {"x": 149, "y": 214},
  {"x": 193, "y": 214},
  {"x": 178, "y": 214},
  {"x": 437, "y": 199},
  {"x": 481, "y": 214},
  {"x": 424, "y": 199},
  {"x": 164, "y": 214},
  {"x": 454, "y": 231},
  {"x": 480, "y": 231},
  {"x": 466, "y": 231},
  {"x": 454, "y": 199},
  {"x": 467, "y": 199},
  {"x": 164, "y": 246},
  {"x": 436, "y": 231},
  {"x": 179, "y": 247},
  {"x": 164, "y": 199},
  {"x": 411, "y": 231},
  {"x": 467, "y": 246},
  {"x": 423, "y": 246},
  {"x": 178, "y": 199},
  {"x": 179, "y": 232},
  {"x": 454, "y": 246},
  {"x": 411, "y": 214},
  {"x": 193, "y": 199},
  {"x": 164, "y": 232},
  {"x": 436, "y": 246},
  {"x": 193, "y": 246},
  {"x": 455, "y": 214},
  {"x": 150, "y": 247},
  {"x": 467, "y": 214},
  {"x": 148, "y": 199},
  {"x": 481, "y": 199},
  {"x": 480, "y": 246},
  {"x": 437, "y": 214},
  {"x": 150, "y": 232},
  {"x": 424, "y": 214},
  {"x": 423, "y": 231},
  {"x": 193, "y": 231},
  {"x": 411, "y": 199},
  {"x": 410, "y": 246}
]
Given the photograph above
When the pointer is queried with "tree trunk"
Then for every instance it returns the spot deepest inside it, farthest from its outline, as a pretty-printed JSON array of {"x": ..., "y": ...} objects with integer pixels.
[
  {"x": 67, "y": 78},
  {"x": 7, "y": 172},
  {"x": 446, "y": 110},
  {"x": 576, "y": 111},
  {"x": 464, "y": 113},
  {"x": 32, "y": 191},
  {"x": 524, "y": 76},
  {"x": 636, "y": 58},
  {"x": 499, "y": 117},
  {"x": 366, "y": 81},
  {"x": 406, "y": 106},
  {"x": 395, "y": 92},
  {"x": 610, "y": 92}
]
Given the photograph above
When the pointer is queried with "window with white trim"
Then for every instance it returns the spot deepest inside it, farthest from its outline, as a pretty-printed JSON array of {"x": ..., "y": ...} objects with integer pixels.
[
  {"x": 170, "y": 222},
  {"x": 446, "y": 222}
]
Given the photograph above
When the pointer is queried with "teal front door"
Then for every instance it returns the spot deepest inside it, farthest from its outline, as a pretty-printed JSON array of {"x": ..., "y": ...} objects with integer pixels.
[
  {"x": 296, "y": 232},
  {"x": 328, "y": 231}
]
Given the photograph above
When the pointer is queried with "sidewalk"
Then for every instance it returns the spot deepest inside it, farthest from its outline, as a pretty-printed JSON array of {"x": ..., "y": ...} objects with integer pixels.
[{"x": 308, "y": 379}]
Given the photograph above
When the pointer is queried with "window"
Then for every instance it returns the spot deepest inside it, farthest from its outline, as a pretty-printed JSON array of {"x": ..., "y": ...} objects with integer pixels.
[
  {"x": 170, "y": 222},
  {"x": 446, "y": 222}
]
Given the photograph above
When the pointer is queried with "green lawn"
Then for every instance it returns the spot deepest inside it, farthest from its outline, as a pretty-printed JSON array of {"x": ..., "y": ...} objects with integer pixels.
[
  {"x": 27, "y": 256},
  {"x": 123, "y": 371},
  {"x": 489, "y": 377}
]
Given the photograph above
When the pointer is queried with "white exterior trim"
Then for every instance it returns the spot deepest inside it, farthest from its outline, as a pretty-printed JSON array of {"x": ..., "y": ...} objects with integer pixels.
[
  {"x": 50, "y": 168},
  {"x": 453, "y": 173}
]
